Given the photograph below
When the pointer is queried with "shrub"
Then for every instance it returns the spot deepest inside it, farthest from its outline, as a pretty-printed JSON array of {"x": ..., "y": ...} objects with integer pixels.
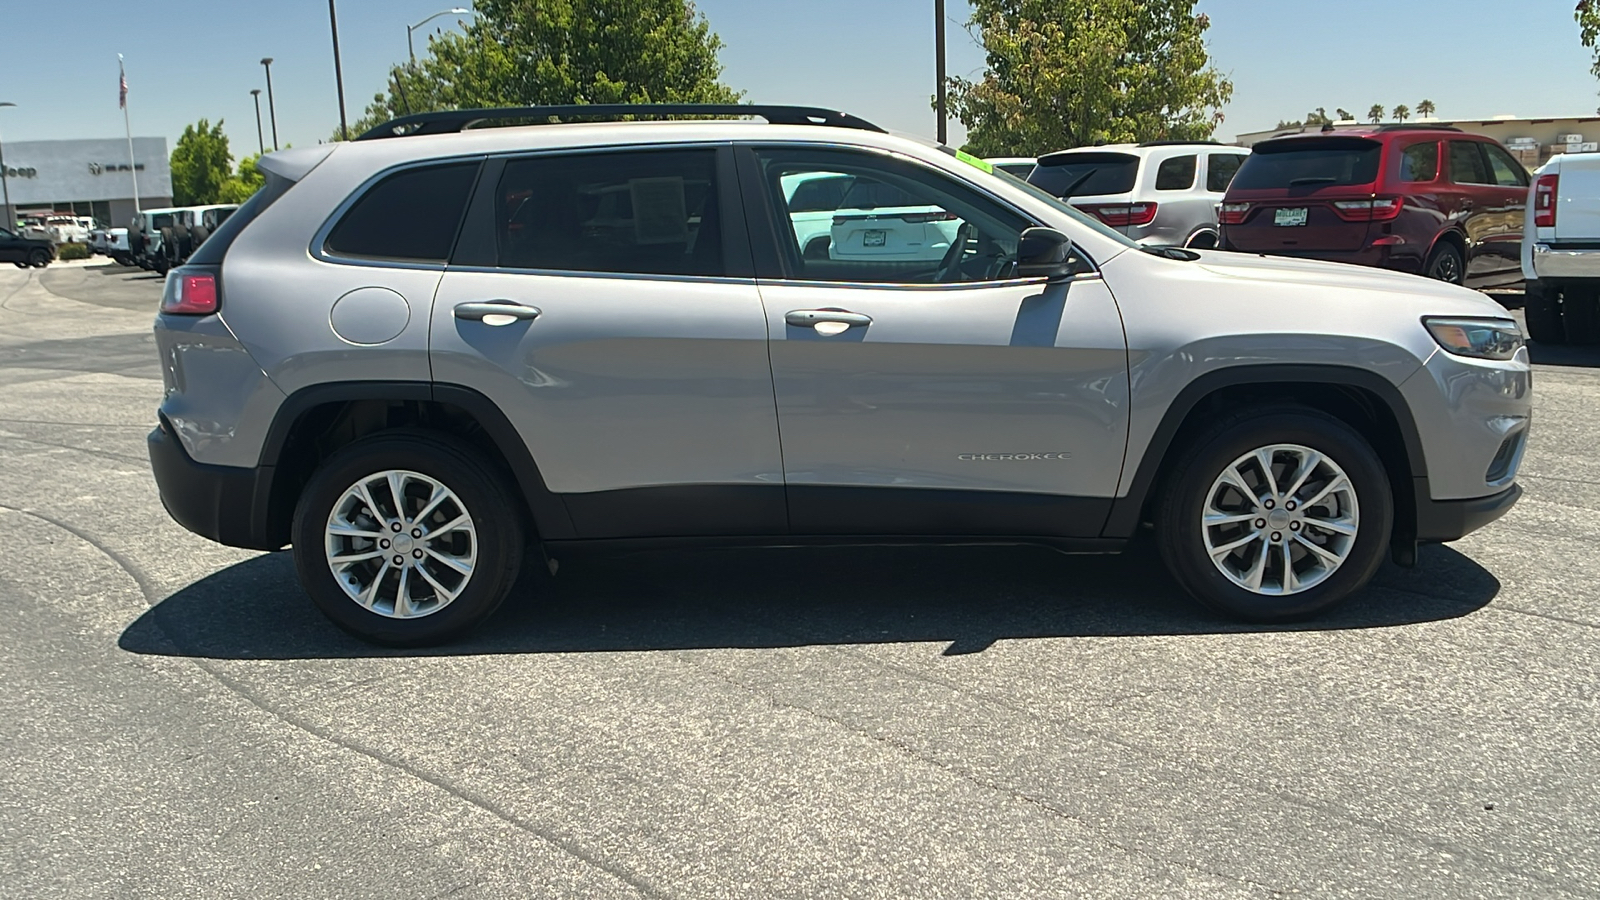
[{"x": 73, "y": 251}]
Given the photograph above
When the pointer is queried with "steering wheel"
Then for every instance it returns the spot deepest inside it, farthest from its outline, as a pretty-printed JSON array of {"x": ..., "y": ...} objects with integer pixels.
[{"x": 949, "y": 265}]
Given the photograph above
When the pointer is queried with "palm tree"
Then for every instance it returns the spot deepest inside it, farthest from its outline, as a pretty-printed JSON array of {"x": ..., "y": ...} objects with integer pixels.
[
  {"x": 1402, "y": 112},
  {"x": 1375, "y": 113},
  {"x": 1343, "y": 114},
  {"x": 1425, "y": 108}
]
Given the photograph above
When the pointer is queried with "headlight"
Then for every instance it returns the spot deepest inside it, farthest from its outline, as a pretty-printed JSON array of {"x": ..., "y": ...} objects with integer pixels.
[{"x": 1481, "y": 338}]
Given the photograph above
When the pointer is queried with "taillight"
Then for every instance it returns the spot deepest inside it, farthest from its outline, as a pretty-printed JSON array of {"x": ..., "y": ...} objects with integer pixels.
[
  {"x": 190, "y": 294},
  {"x": 1233, "y": 213},
  {"x": 1380, "y": 210},
  {"x": 1119, "y": 215},
  {"x": 924, "y": 218},
  {"x": 1544, "y": 201}
]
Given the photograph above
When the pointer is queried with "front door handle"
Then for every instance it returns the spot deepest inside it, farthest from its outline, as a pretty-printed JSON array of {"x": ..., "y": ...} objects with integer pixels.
[
  {"x": 809, "y": 318},
  {"x": 501, "y": 312}
]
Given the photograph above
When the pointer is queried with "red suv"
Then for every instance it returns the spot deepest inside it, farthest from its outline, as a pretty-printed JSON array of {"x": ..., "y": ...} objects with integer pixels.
[{"x": 1431, "y": 200}]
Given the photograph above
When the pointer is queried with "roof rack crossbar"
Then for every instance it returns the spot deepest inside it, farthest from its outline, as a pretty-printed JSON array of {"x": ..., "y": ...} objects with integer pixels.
[
  {"x": 1418, "y": 127},
  {"x": 1175, "y": 143},
  {"x": 456, "y": 120}
]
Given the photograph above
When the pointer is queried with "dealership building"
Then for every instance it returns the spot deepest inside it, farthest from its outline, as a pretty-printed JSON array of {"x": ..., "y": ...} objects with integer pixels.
[{"x": 87, "y": 178}]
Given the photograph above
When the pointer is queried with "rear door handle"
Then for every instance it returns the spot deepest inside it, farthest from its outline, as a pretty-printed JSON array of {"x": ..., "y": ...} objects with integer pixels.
[
  {"x": 808, "y": 318},
  {"x": 480, "y": 310}
]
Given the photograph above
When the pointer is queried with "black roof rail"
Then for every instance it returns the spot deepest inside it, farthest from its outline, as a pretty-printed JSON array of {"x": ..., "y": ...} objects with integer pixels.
[
  {"x": 1174, "y": 143},
  {"x": 451, "y": 121},
  {"x": 1405, "y": 127}
]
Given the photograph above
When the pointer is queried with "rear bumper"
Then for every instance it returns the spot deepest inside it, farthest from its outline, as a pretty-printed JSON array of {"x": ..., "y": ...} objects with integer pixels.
[
  {"x": 1555, "y": 262},
  {"x": 221, "y": 503},
  {"x": 1440, "y": 521}
]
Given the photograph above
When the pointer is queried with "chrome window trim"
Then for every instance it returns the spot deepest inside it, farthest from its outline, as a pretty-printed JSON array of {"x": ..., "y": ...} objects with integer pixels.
[{"x": 587, "y": 273}]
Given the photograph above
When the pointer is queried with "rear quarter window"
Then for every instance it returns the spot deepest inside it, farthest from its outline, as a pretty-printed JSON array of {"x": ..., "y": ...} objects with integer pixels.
[
  {"x": 411, "y": 215},
  {"x": 1220, "y": 169},
  {"x": 1176, "y": 174},
  {"x": 1420, "y": 162},
  {"x": 1309, "y": 163}
]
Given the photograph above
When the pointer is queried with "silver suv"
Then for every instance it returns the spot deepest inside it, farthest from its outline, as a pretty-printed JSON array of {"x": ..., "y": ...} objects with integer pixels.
[
  {"x": 420, "y": 354},
  {"x": 1161, "y": 193}
]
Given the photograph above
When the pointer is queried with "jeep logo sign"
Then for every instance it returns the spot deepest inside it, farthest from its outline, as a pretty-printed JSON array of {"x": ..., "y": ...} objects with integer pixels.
[
  {"x": 24, "y": 172},
  {"x": 96, "y": 168}
]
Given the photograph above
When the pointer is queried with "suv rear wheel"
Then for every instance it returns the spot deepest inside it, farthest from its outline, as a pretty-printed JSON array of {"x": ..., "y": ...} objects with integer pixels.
[
  {"x": 1275, "y": 514},
  {"x": 1444, "y": 264},
  {"x": 406, "y": 539}
]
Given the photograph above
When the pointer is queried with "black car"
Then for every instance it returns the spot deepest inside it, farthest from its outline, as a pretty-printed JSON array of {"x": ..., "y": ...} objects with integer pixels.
[{"x": 25, "y": 252}]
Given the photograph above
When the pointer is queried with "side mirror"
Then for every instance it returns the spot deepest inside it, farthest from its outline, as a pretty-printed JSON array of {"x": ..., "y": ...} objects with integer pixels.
[{"x": 1046, "y": 253}]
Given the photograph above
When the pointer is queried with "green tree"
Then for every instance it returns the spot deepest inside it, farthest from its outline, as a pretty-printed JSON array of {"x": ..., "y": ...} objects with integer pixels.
[
  {"x": 552, "y": 52},
  {"x": 1069, "y": 73},
  {"x": 1344, "y": 115},
  {"x": 1402, "y": 112},
  {"x": 1375, "y": 113},
  {"x": 1319, "y": 117},
  {"x": 200, "y": 163},
  {"x": 243, "y": 183},
  {"x": 1426, "y": 108}
]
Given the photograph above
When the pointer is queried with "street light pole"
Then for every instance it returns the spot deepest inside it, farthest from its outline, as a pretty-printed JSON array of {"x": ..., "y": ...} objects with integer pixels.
[
  {"x": 938, "y": 40},
  {"x": 261, "y": 142},
  {"x": 272, "y": 108},
  {"x": 10, "y": 221},
  {"x": 338, "y": 71},
  {"x": 454, "y": 11}
]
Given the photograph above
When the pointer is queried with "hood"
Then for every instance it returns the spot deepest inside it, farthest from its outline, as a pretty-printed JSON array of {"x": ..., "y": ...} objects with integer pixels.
[{"x": 1453, "y": 299}]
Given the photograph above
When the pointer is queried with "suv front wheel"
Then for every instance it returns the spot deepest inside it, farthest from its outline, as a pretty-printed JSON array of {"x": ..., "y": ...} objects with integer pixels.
[
  {"x": 1275, "y": 515},
  {"x": 406, "y": 539}
]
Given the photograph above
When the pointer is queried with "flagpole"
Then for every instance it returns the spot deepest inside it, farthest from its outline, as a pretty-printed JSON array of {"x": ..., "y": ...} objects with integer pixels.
[{"x": 133, "y": 166}]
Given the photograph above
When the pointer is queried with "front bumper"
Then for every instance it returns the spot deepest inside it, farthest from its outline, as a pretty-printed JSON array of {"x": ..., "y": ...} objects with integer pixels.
[
  {"x": 225, "y": 504},
  {"x": 1440, "y": 521},
  {"x": 1554, "y": 262}
]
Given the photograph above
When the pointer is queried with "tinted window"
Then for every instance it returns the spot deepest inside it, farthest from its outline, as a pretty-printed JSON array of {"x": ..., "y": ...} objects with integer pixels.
[
  {"x": 411, "y": 215},
  {"x": 1420, "y": 162},
  {"x": 646, "y": 213},
  {"x": 897, "y": 224},
  {"x": 1220, "y": 169},
  {"x": 1507, "y": 171},
  {"x": 1020, "y": 170},
  {"x": 1176, "y": 174},
  {"x": 1309, "y": 163},
  {"x": 1085, "y": 174},
  {"x": 1466, "y": 164},
  {"x": 6, "y": 235}
]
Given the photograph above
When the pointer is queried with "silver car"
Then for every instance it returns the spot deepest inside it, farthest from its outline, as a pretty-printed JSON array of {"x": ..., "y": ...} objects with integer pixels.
[
  {"x": 1162, "y": 193},
  {"x": 414, "y": 355}
]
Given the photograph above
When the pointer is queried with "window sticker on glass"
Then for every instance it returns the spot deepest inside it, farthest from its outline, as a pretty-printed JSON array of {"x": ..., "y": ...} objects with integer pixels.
[{"x": 660, "y": 215}]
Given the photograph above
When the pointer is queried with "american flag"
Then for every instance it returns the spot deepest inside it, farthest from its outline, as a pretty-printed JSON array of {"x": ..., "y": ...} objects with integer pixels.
[{"x": 122, "y": 86}]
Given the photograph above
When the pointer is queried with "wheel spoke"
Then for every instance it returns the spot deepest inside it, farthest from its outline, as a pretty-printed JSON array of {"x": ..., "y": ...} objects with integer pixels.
[
  {"x": 445, "y": 594},
  {"x": 446, "y": 528},
  {"x": 1330, "y": 487},
  {"x": 352, "y": 530},
  {"x": 402, "y": 603},
  {"x": 1341, "y": 526},
  {"x": 369, "y": 595},
  {"x": 397, "y": 493},
  {"x": 1252, "y": 579},
  {"x": 1225, "y": 549},
  {"x": 1312, "y": 459},
  {"x": 1229, "y": 518},
  {"x": 372, "y": 505},
  {"x": 1231, "y": 478},
  {"x": 1323, "y": 553},
  {"x": 1290, "y": 584},
  {"x": 462, "y": 566},
  {"x": 345, "y": 559},
  {"x": 439, "y": 496},
  {"x": 1264, "y": 460}
]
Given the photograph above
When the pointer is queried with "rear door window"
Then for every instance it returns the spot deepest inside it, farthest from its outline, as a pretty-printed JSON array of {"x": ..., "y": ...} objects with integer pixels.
[
  {"x": 1177, "y": 173},
  {"x": 650, "y": 213},
  {"x": 1309, "y": 162},
  {"x": 1220, "y": 169},
  {"x": 1467, "y": 165},
  {"x": 1085, "y": 174},
  {"x": 1420, "y": 162},
  {"x": 1507, "y": 172},
  {"x": 412, "y": 215}
]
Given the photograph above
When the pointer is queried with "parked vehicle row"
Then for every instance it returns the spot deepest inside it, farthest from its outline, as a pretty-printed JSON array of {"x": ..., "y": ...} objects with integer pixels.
[
  {"x": 410, "y": 355},
  {"x": 162, "y": 239}
]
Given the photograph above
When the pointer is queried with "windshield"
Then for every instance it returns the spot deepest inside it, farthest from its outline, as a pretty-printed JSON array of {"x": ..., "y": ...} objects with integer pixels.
[
  {"x": 1067, "y": 209},
  {"x": 1086, "y": 174}
]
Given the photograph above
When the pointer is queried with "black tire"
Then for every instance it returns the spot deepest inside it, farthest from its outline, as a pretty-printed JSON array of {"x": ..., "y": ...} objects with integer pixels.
[
  {"x": 1445, "y": 264},
  {"x": 483, "y": 493},
  {"x": 1202, "y": 461},
  {"x": 1541, "y": 307},
  {"x": 39, "y": 258},
  {"x": 1580, "y": 311}
]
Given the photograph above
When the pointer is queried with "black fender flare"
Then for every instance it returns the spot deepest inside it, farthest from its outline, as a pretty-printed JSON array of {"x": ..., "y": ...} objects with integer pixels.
[{"x": 1128, "y": 510}]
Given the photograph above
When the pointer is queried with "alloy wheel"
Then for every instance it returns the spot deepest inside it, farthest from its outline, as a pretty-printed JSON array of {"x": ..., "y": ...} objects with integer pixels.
[
  {"x": 401, "y": 544},
  {"x": 1280, "y": 519}
]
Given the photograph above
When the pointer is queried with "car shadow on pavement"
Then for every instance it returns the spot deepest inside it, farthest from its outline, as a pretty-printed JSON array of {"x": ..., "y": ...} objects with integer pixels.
[{"x": 965, "y": 597}]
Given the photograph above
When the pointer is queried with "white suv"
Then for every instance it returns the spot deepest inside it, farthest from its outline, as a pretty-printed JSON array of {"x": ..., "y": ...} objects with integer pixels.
[{"x": 1161, "y": 193}]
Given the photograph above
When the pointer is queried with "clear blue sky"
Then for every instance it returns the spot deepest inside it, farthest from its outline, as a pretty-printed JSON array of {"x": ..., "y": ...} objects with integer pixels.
[{"x": 194, "y": 58}]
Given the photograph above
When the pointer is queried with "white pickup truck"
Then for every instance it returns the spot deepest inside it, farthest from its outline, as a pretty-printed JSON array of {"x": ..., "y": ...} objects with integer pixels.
[{"x": 1561, "y": 251}]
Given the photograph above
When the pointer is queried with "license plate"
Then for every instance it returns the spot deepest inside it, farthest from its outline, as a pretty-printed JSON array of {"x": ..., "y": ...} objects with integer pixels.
[
  {"x": 1289, "y": 217},
  {"x": 874, "y": 238}
]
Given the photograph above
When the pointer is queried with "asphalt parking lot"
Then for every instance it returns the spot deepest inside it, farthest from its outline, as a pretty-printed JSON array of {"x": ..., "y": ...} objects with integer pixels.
[{"x": 896, "y": 723}]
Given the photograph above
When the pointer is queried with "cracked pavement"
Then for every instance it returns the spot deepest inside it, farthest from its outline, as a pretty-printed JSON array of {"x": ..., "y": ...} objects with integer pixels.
[{"x": 902, "y": 722}]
